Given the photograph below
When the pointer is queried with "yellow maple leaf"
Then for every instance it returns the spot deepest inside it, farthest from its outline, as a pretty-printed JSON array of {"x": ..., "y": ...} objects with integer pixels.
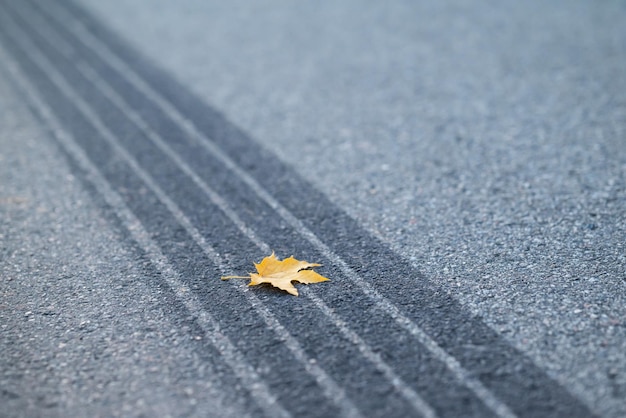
[{"x": 281, "y": 273}]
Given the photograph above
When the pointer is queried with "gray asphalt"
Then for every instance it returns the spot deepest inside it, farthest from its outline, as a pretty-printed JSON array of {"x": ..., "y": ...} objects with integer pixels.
[{"x": 466, "y": 163}]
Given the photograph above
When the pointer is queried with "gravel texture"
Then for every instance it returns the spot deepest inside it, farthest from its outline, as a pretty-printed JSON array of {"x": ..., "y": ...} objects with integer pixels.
[{"x": 483, "y": 143}]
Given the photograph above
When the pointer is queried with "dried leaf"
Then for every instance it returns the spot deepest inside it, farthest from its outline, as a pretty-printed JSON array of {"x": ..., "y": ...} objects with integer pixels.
[{"x": 281, "y": 273}]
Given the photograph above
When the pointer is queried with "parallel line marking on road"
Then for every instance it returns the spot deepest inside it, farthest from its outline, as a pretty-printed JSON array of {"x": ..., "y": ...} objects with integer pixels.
[
  {"x": 331, "y": 389},
  {"x": 210, "y": 327},
  {"x": 484, "y": 394},
  {"x": 410, "y": 395}
]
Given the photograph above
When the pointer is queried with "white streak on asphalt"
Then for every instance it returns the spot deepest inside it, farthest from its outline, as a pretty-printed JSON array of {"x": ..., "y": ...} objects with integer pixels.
[
  {"x": 210, "y": 327},
  {"x": 464, "y": 376}
]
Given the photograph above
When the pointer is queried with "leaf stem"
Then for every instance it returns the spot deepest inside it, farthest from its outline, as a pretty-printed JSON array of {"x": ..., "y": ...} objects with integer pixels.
[{"x": 235, "y": 277}]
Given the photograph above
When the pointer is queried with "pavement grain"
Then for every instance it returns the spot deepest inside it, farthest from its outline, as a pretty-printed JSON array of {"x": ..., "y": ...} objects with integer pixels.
[{"x": 484, "y": 145}]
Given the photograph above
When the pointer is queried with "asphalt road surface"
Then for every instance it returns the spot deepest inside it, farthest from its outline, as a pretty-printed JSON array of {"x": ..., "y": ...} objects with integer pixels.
[{"x": 458, "y": 168}]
